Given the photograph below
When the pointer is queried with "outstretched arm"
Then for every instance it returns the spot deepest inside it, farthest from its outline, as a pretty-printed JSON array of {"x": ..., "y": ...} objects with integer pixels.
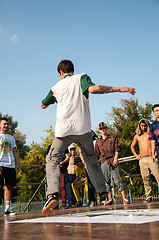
[{"x": 100, "y": 89}]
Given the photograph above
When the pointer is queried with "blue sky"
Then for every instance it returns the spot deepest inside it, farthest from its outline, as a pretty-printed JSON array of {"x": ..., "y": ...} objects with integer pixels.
[{"x": 116, "y": 42}]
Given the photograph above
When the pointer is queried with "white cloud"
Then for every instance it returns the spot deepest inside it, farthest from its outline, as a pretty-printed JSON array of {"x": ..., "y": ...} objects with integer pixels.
[
  {"x": 14, "y": 39},
  {"x": 3, "y": 33}
]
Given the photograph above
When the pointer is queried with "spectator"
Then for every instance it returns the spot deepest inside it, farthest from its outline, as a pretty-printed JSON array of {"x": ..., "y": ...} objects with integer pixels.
[
  {"x": 107, "y": 148},
  {"x": 146, "y": 163},
  {"x": 8, "y": 157},
  {"x": 71, "y": 176},
  {"x": 80, "y": 181},
  {"x": 63, "y": 170}
]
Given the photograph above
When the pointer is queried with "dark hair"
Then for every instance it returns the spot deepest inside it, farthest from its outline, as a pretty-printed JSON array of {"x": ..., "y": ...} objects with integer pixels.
[
  {"x": 147, "y": 123},
  {"x": 77, "y": 160},
  {"x": 154, "y": 106},
  {"x": 66, "y": 66},
  {"x": 4, "y": 118}
]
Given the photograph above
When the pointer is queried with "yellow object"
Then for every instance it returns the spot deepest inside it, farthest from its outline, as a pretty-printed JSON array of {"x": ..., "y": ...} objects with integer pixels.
[
  {"x": 80, "y": 174},
  {"x": 76, "y": 190}
]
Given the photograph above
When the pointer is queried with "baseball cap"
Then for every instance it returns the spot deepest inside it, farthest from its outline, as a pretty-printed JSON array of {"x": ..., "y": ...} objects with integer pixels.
[
  {"x": 71, "y": 147},
  {"x": 102, "y": 125}
]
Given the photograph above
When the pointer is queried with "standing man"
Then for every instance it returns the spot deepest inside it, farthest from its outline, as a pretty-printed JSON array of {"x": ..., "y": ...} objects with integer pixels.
[
  {"x": 63, "y": 169},
  {"x": 71, "y": 176},
  {"x": 8, "y": 157},
  {"x": 145, "y": 156},
  {"x": 107, "y": 148},
  {"x": 73, "y": 125},
  {"x": 154, "y": 133}
]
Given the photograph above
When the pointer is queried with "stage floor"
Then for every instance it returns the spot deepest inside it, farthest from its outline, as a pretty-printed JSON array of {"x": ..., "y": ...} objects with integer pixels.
[{"x": 123, "y": 222}]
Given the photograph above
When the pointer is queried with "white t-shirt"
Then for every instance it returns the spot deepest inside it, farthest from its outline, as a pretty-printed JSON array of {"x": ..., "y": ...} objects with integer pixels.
[
  {"x": 73, "y": 114},
  {"x": 7, "y": 143}
]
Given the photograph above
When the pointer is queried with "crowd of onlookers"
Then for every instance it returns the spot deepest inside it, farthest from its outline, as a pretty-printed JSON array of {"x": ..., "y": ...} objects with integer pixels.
[
  {"x": 74, "y": 177},
  {"x": 75, "y": 180}
]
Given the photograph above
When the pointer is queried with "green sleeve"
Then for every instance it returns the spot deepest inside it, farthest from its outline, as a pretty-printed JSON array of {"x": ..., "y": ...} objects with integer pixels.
[
  {"x": 49, "y": 99},
  {"x": 85, "y": 84}
]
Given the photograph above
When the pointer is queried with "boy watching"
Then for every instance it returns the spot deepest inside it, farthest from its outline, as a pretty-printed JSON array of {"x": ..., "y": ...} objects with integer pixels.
[
  {"x": 107, "y": 148},
  {"x": 71, "y": 176},
  {"x": 8, "y": 157},
  {"x": 80, "y": 181},
  {"x": 145, "y": 156}
]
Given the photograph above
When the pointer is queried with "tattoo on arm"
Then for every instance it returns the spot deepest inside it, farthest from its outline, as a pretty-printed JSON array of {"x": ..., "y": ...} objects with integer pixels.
[{"x": 105, "y": 89}]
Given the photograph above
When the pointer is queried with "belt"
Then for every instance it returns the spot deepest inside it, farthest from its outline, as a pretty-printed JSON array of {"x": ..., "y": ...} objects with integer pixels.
[{"x": 146, "y": 156}]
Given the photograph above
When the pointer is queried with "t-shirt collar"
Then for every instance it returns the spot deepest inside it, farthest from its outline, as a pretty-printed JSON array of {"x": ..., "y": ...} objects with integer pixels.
[
  {"x": 105, "y": 138},
  {"x": 67, "y": 75}
]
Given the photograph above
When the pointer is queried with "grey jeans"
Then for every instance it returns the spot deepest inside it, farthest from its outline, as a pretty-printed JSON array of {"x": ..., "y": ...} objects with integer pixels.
[
  {"x": 109, "y": 172},
  {"x": 56, "y": 154}
]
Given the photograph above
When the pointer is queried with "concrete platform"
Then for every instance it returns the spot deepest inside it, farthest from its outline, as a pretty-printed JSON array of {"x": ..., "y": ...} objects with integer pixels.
[{"x": 123, "y": 222}]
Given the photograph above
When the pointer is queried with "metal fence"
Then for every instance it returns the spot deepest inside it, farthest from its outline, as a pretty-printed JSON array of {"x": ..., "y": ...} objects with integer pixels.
[{"x": 33, "y": 206}]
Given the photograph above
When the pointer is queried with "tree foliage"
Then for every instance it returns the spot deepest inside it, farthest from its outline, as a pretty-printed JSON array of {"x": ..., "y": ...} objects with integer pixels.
[
  {"x": 36, "y": 156},
  {"x": 20, "y": 139}
]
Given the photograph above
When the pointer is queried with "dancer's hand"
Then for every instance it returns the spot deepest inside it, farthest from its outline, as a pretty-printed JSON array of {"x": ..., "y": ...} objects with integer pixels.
[{"x": 128, "y": 89}]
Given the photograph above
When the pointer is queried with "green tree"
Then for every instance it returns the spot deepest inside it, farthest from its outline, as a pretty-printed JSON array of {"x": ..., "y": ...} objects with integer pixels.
[
  {"x": 20, "y": 139},
  {"x": 36, "y": 156}
]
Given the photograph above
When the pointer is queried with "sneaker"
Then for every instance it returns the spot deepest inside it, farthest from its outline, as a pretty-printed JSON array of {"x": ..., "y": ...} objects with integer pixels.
[
  {"x": 148, "y": 200},
  {"x": 9, "y": 213},
  {"x": 90, "y": 204},
  {"x": 126, "y": 201},
  {"x": 63, "y": 206},
  {"x": 93, "y": 203},
  {"x": 79, "y": 204},
  {"x": 110, "y": 202},
  {"x": 50, "y": 204},
  {"x": 103, "y": 197}
]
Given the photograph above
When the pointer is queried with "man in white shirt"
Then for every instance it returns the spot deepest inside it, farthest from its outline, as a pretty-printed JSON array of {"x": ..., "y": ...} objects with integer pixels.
[
  {"x": 73, "y": 125},
  {"x": 8, "y": 156}
]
